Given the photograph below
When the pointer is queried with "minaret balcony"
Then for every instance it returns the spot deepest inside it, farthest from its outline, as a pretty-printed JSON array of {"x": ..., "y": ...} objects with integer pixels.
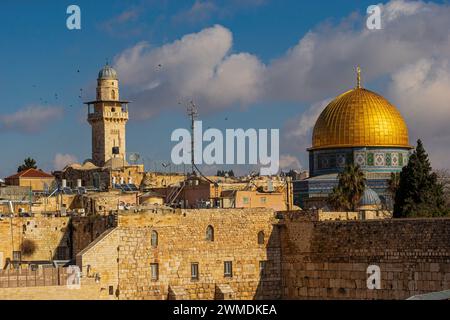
[{"x": 95, "y": 116}]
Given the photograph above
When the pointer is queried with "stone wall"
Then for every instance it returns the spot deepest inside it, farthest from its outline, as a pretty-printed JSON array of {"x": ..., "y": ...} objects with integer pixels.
[
  {"x": 181, "y": 242},
  {"x": 329, "y": 260},
  {"x": 54, "y": 237}
]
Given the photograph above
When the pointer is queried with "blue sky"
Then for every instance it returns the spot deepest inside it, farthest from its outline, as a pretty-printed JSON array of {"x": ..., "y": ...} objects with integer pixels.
[{"x": 46, "y": 66}]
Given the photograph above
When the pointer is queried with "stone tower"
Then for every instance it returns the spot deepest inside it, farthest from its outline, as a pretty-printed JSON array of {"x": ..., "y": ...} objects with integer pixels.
[{"x": 108, "y": 116}]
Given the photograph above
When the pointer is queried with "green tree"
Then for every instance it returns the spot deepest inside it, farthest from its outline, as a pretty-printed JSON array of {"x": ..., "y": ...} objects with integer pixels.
[
  {"x": 419, "y": 193},
  {"x": 394, "y": 183},
  {"x": 28, "y": 163},
  {"x": 350, "y": 188}
]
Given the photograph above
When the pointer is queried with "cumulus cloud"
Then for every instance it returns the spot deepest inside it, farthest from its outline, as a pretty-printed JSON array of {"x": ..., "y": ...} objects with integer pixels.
[
  {"x": 408, "y": 58},
  {"x": 198, "y": 66},
  {"x": 422, "y": 92},
  {"x": 297, "y": 132},
  {"x": 61, "y": 160},
  {"x": 31, "y": 119}
]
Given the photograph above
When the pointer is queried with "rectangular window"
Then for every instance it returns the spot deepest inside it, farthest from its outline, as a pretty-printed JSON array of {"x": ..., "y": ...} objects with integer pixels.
[
  {"x": 155, "y": 271},
  {"x": 194, "y": 271},
  {"x": 245, "y": 200},
  {"x": 263, "y": 200},
  {"x": 228, "y": 269},
  {"x": 262, "y": 267}
]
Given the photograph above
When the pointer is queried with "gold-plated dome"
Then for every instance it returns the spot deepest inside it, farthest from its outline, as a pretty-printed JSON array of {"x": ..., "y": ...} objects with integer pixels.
[{"x": 360, "y": 118}]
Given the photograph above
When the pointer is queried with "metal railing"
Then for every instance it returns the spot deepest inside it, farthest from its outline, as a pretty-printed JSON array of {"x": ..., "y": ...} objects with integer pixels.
[{"x": 42, "y": 277}]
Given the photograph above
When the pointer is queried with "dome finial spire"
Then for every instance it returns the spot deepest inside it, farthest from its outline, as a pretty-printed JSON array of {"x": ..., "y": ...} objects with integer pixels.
[{"x": 358, "y": 77}]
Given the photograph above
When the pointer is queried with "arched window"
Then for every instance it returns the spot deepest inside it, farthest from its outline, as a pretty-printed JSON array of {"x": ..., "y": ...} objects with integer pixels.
[
  {"x": 210, "y": 233},
  {"x": 261, "y": 237},
  {"x": 113, "y": 94},
  {"x": 154, "y": 239}
]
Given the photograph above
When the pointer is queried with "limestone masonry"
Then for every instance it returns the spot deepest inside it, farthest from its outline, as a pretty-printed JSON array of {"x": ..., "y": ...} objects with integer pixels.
[{"x": 231, "y": 254}]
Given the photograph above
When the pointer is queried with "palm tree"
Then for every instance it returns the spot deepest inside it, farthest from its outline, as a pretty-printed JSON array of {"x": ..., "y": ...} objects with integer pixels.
[
  {"x": 352, "y": 184},
  {"x": 338, "y": 200},
  {"x": 28, "y": 163}
]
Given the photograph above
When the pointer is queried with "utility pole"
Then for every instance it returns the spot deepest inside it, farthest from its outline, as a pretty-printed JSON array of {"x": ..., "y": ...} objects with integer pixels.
[{"x": 193, "y": 113}]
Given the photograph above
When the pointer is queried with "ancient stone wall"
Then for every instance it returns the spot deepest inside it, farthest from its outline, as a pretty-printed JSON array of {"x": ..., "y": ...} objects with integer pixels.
[
  {"x": 182, "y": 242},
  {"x": 329, "y": 260},
  {"x": 53, "y": 237}
]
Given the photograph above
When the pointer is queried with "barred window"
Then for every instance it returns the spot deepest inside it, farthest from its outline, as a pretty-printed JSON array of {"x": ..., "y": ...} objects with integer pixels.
[
  {"x": 194, "y": 271},
  {"x": 154, "y": 267},
  {"x": 228, "y": 269}
]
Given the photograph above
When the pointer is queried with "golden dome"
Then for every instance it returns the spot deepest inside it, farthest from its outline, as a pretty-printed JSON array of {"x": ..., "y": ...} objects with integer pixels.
[{"x": 360, "y": 118}]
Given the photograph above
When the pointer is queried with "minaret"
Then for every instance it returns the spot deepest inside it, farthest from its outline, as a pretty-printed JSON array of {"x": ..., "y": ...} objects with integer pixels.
[{"x": 108, "y": 116}]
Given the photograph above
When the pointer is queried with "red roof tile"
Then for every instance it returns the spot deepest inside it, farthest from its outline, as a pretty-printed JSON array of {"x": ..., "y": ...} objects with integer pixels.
[{"x": 31, "y": 173}]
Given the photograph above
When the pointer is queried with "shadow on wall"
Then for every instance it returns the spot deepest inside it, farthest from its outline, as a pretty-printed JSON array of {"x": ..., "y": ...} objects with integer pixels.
[
  {"x": 270, "y": 270},
  {"x": 79, "y": 233}
]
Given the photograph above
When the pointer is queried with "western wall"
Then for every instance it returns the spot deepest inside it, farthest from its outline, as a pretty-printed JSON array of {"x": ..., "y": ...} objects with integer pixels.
[{"x": 299, "y": 256}]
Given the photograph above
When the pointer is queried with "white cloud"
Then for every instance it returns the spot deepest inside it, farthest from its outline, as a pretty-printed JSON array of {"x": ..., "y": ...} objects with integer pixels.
[
  {"x": 31, "y": 119},
  {"x": 288, "y": 161},
  {"x": 200, "y": 11},
  {"x": 61, "y": 160},
  {"x": 198, "y": 66},
  {"x": 408, "y": 57},
  {"x": 422, "y": 93}
]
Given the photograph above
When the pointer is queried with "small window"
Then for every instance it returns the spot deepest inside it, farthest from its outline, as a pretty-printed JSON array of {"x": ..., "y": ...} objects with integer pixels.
[
  {"x": 261, "y": 237},
  {"x": 228, "y": 269},
  {"x": 263, "y": 200},
  {"x": 111, "y": 290},
  {"x": 194, "y": 271},
  {"x": 262, "y": 267},
  {"x": 17, "y": 255},
  {"x": 154, "y": 239},
  {"x": 113, "y": 109},
  {"x": 155, "y": 271},
  {"x": 210, "y": 233},
  {"x": 245, "y": 200},
  {"x": 113, "y": 95}
]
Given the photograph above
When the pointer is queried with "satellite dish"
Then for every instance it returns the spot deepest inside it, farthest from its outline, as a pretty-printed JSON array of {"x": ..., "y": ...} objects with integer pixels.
[{"x": 134, "y": 157}]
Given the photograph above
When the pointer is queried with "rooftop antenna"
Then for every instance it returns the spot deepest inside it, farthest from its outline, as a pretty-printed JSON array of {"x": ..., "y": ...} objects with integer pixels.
[{"x": 193, "y": 114}]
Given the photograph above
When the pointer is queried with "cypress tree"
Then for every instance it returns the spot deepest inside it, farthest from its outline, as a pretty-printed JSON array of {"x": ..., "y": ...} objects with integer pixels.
[{"x": 419, "y": 194}]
